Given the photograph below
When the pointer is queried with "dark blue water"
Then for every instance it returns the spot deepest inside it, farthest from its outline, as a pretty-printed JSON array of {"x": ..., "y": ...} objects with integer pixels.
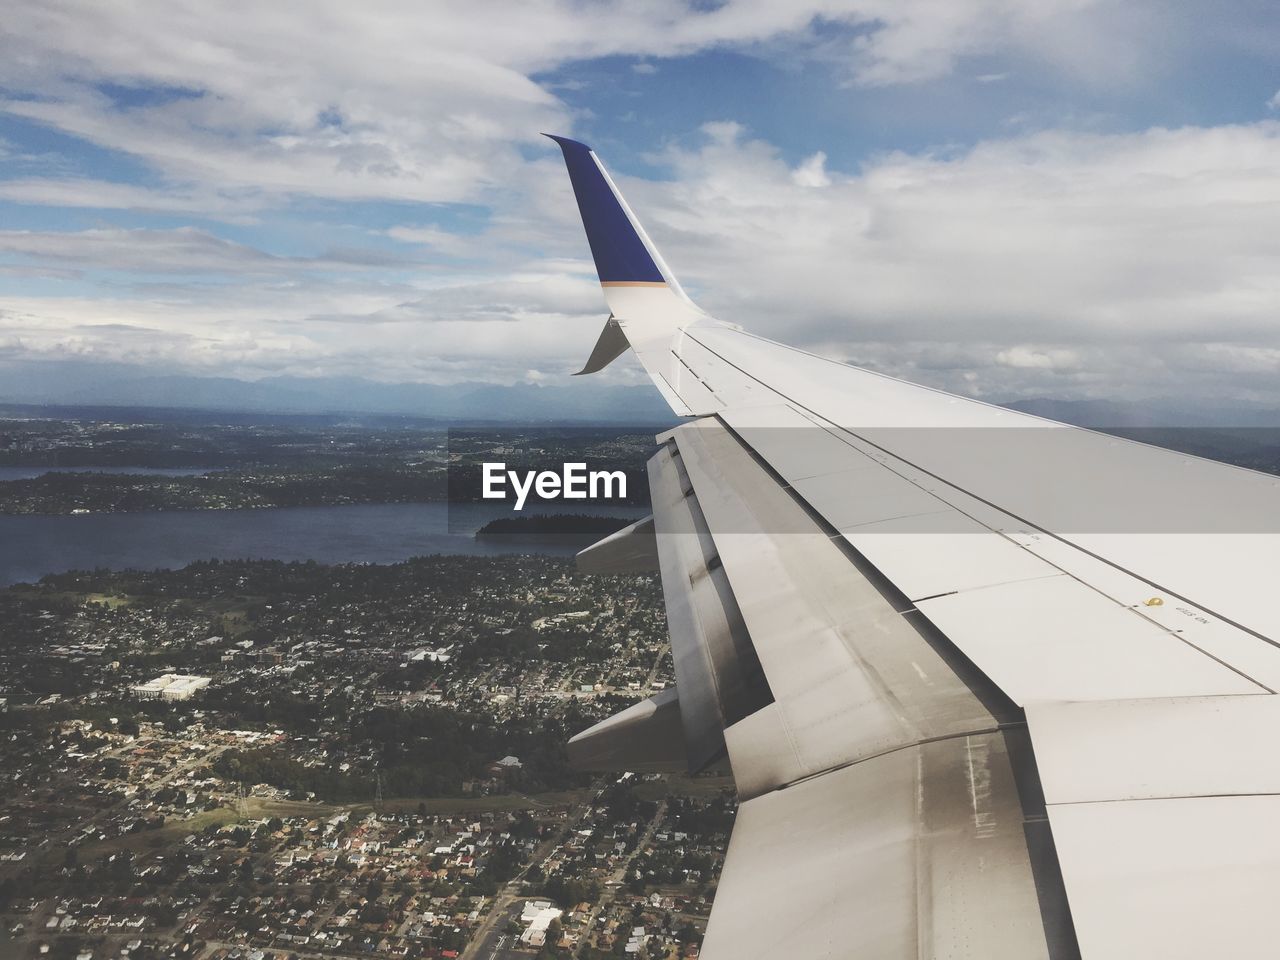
[
  {"x": 32, "y": 546},
  {"x": 28, "y": 473}
]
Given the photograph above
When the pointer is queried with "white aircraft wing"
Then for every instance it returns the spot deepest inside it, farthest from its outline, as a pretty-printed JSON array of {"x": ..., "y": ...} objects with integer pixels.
[{"x": 990, "y": 686}]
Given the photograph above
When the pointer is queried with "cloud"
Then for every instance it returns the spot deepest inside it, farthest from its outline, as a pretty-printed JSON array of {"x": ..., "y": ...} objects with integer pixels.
[
  {"x": 813, "y": 172},
  {"x": 1089, "y": 262},
  {"x": 1027, "y": 357},
  {"x": 38, "y": 271},
  {"x": 912, "y": 42},
  {"x": 179, "y": 250},
  {"x": 434, "y": 238},
  {"x": 492, "y": 329},
  {"x": 242, "y": 207},
  {"x": 1117, "y": 263},
  {"x": 1077, "y": 264},
  {"x": 1072, "y": 263},
  {"x": 360, "y": 101}
]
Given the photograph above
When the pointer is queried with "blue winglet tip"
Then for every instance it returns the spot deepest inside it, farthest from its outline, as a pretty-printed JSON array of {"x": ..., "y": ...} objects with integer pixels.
[
  {"x": 567, "y": 144},
  {"x": 619, "y": 252},
  {"x": 563, "y": 140}
]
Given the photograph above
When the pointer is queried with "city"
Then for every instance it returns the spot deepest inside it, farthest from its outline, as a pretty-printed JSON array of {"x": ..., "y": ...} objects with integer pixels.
[
  {"x": 103, "y": 462},
  {"x": 253, "y": 759}
]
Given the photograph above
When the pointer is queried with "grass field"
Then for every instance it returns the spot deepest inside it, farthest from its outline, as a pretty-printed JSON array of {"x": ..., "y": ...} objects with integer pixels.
[
  {"x": 174, "y": 830},
  {"x": 678, "y": 785},
  {"x": 257, "y": 808},
  {"x": 505, "y": 803}
]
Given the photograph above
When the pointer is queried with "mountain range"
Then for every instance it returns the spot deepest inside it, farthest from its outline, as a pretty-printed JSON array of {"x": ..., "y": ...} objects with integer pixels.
[
  {"x": 71, "y": 383},
  {"x": 77, "y": 384}
]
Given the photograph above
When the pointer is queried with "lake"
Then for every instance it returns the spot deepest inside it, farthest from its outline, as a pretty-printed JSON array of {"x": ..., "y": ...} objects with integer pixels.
[
  {"x": 30, "y": 473},
  {"x": 32, "y": 546}
]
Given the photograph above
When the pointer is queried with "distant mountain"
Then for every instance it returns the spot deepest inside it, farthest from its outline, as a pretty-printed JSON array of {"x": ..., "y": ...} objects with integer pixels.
[{"x": 72, "y": 383}]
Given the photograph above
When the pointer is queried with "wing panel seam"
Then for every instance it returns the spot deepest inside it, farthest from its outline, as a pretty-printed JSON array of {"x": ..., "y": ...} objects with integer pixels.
[{"x": 995, "y": 506}]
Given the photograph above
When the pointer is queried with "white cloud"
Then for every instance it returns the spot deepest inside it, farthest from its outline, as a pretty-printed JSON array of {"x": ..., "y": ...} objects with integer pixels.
[
  {"x": 236, "y": 207},
  {"x": 492, "y": 329},
  {"x": 397, "y": 100},
  {"x": 1096, "y": 41},
  {"x": 1070, "y": 264},
  {"x": 1139, "y": 262},
  {"x": 1120, "y": 263},
  {"x": 813, "y": 172},
  {"x": 441, "y": 241},
  {"x": 1027, "y": 357},
  {"x": 179, "y": 250}
]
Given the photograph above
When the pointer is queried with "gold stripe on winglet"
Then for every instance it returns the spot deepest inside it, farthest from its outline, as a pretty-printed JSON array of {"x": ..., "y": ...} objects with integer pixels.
[{"x": 633, "y": 283}]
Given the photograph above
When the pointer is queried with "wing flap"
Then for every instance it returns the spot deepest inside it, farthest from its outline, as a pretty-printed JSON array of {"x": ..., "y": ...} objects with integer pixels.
[
  {"x": 920, "y": 852},
  {"x": 647, "y": 737},
  {"x": 717, "y": 672},
  {"x": 1181, "y": 879},
  {"x": 633, "y": 549},
  {"x": 851, "y": 673},
  {"x": 1164, "y": 811},
  {"x": 1155, "y": 748}
]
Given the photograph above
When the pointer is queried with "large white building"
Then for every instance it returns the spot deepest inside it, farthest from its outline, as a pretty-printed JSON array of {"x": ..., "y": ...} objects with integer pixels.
[
  {"x": 538, "y": 914},
  {"x": 171, "y": 686}
]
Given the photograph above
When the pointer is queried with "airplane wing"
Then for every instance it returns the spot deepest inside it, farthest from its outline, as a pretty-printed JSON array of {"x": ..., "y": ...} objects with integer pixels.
[{"x": 990, "y": 686}]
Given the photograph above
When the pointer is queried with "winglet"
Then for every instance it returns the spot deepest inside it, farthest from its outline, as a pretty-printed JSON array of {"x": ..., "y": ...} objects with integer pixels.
[
  {"x": 609, "y": 347},
  {"x": 648, "y": 309},
  {"x": 624, "y": 255}
]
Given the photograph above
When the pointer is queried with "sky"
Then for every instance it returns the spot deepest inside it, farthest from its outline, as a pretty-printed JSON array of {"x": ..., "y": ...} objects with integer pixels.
[{"x": 1004, "y": 198}]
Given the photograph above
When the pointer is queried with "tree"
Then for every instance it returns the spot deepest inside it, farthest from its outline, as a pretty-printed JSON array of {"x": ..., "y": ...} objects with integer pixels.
[{"x": 555, "y": 931}]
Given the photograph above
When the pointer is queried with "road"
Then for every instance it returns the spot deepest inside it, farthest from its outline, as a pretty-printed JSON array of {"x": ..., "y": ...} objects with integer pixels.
[
  {"x": 647, "y": 689},
  {"x": 496, "y": 943},
  {"x": 56, "y": 843},
  {"x": 619, "y": 875},
  {"x": 492, "y": 926}
]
